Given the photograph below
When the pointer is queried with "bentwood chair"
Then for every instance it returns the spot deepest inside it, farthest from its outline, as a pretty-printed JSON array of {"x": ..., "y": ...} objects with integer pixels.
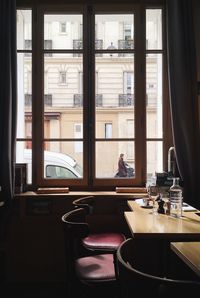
[
  {"x": 87, "y": 276},
  {"x": 101, "y": 242},
  {"x": 135, "y": 280}
]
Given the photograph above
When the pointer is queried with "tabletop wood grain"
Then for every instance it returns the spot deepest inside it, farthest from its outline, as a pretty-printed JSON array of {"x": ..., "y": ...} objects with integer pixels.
[
  {"x": 142, "y": 223},
  {"x": 189, "y": 252}
]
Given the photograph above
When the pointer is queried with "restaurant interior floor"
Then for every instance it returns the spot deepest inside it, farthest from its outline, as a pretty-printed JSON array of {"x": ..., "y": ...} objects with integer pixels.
[{"x": 33, "y": 291}]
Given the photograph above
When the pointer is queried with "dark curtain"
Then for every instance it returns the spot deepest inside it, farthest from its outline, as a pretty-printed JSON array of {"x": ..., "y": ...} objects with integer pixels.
[
  {"x": 183, "y": 96},
  {"x": 8, "y": 97}
]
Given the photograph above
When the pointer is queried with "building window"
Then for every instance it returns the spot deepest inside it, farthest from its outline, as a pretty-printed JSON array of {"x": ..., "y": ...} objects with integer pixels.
[
  {"x": 62, "y": 77},
  {"x": 128, "y": 83},
  {"x": 63, "y": 27},
  {"x": 28, "y": 46},
  {"x": 108, "y": 130},
  {"x": 78, "y": 134},
  {"x": 80, "y": 78},
  {"x": 103, "y": 110}
]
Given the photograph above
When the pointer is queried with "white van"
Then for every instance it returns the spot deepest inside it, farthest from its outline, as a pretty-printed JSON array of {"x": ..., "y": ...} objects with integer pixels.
[{"x": 56, "y": 166}]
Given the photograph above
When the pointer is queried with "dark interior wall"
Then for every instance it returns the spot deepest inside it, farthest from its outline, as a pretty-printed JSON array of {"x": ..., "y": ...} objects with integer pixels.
[
  {"x": 34, "y": 239},
  {"x": 196, "y": 8}
]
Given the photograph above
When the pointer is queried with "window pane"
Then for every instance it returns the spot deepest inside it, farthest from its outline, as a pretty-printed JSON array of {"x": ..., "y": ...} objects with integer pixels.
[
  {"x": 63, "y": 102},
  {"x": 154, "y": 158},
  {"x": 24, "y": 103},
  {"x": 24, "y": 30},
  {"x": 115, "y": 95},
  {"x": 63, "y": 160},
  {"x": 154, "y": 99},
  {"x": 24, "y": 155},
  {"x": 63, "y": 31},
  {"x": 114, "y": 31},
  {"x": 154, "y": 29},
  {"x": 107, "y": 155},
  {"x": 108, "y": 130}
]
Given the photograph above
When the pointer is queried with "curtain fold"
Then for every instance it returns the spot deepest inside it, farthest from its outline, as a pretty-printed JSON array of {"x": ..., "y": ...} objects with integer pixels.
[
  {"x": 8, "y": 97},
  {"x": 183, "y": 95}
]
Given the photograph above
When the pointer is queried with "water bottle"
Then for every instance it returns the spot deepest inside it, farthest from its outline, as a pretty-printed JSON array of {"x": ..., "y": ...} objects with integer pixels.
[{"x": 175, "y": 195}]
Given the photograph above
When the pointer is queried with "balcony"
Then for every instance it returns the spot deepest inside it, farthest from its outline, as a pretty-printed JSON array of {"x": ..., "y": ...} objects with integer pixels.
[
  {"x": 47, "y": 100},
  {"x": 125, "y": 44},
  {"x": 78, "y": 100},
  {"x": 126, "y": 100},
  {"x": 98, "y": 44},
  {"x": 78, "y": 45},
  {"x": 27, "y": 46},
  {"x": 99, "y": 100},
  {"x": 48, "y": 46}
]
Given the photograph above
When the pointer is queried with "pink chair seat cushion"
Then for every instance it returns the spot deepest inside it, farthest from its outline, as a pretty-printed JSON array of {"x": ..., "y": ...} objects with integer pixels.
[
  {"x": 107, "y": 241},
  {"x": 95, "y": 268}
]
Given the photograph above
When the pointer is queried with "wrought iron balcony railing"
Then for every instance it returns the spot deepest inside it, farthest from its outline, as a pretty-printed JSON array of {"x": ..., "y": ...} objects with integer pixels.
[
  {"x": 78, "y": 45},
  {"x": 78, "y": 100},
  {"x": 126, "y": 100},
  {"x": 47, "y": 99},
  {"x": 125, "y": 44},
  {"x": 27, "y": 46},
  {"x": 99, "y": 100},
  {"x": 98, "y": 44},
  {"x": 48, "y": 46}
]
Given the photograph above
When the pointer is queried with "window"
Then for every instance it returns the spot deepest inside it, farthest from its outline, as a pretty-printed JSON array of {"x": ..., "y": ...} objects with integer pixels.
[
  {"x": 108, "y": 130},
  {"x": 48, "y": 46},
  {"x": 78, "y": 133},
  {"x": 24, "y": 77},
  {"x": 62, "y": 76},
  {"x": 63, "y": 27},
  {"x": 154, "y": 104},
  {"x": 128, "y": 96},
  {"x": 27, "y": 46},
  {"x": 111, "y": 101}
]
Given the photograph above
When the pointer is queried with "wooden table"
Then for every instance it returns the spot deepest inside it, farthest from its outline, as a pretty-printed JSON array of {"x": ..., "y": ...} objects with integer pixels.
[
  {"x": 154, "y": 232},
  {"x": 189, "y": 253},
  {"x": 143, "y": 224}
]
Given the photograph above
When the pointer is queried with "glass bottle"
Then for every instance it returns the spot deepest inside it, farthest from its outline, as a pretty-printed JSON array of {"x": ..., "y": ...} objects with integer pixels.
[
  {"x": 171, "y": 160},
  {"x": 176, "y": 198}
]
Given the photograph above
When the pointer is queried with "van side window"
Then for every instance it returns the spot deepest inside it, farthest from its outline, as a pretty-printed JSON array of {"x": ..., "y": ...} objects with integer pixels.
[{"x": 56, "y": 172}]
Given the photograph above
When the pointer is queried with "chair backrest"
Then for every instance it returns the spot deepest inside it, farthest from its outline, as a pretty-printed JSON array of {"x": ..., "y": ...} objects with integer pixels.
[
  {"x": 92, "y": 274},
  {"x": 136, "y": 283},
  {"x": 85, "y": 202},
  {"x": 75, "y": 228}
]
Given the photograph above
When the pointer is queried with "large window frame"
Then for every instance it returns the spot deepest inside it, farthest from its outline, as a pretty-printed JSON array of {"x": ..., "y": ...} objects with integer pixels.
[{"x": 89, "y": 182}]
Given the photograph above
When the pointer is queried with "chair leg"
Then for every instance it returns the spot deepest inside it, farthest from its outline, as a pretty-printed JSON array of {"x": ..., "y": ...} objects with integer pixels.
[{"x": 118, "y": 288}]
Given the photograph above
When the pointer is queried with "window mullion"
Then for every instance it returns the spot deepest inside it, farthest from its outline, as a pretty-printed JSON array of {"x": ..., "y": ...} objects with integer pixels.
[
  {"x": 140, "y": 95},
  {"x": 89, "y": 94},
  {"x": 37, "y": 96}
]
